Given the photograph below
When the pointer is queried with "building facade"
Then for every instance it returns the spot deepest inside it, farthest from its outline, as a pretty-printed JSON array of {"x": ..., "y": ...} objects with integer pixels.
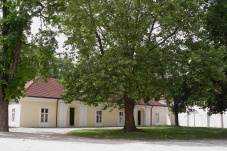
[{"x": 43, "y": 106}]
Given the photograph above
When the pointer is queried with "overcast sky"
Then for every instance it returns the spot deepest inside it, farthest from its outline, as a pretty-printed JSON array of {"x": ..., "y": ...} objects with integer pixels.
[{"x": 35, "y": 28}]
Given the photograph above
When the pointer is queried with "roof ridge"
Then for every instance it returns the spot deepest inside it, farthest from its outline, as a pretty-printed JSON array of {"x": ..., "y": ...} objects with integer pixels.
[
  {"x": 33, "y": 81},
  {"x": 48, "y": 88}
]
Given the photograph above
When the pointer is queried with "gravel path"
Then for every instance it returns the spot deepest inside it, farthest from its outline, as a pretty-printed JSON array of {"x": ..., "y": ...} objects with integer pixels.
[{"x": 56, "y": 139}]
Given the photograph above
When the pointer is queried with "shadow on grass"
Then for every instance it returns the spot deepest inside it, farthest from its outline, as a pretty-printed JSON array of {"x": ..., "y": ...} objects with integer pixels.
[{"x": 154, "y": 133}]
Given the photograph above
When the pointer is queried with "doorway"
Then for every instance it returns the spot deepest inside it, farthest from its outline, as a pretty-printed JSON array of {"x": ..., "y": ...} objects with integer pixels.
[
  {"x": 139, "y": 118},
  {"x": 71, "y": 116}
]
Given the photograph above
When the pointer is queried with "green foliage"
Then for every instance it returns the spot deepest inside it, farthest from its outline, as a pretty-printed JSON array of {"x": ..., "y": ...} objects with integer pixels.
[
  {"x": 23, "y": 56},
  {"x": 61, "y": 66},
  {"x": 205, "y": 68},
  {"x": 216, "y": 22},
  {"x": 216, "y": 27},
  {"x": 125, "y": 48},
  {"x": 205, "y": 65},
  {"x": 205, "y": 79}
]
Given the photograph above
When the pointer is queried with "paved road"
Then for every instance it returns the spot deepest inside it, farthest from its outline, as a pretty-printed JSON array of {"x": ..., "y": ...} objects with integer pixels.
[{"x": 44, "y": 139}]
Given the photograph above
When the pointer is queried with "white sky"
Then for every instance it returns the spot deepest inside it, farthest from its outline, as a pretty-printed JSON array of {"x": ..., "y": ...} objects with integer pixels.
[{"x": 61, "y": 38}]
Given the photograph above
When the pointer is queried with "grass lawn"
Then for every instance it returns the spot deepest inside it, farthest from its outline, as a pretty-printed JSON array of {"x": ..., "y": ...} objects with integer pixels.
[{"x": 154, "y": 133}]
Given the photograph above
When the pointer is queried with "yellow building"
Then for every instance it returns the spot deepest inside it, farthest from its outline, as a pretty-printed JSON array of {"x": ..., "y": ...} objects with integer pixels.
[{"x": 43, "y": 107}]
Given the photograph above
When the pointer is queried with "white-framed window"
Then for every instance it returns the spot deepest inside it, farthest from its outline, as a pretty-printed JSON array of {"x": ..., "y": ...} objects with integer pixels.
[
  {"x": 121, "y": 117},
  {"x": 99, "y": 117},
  {"x": 44, "y": 115},
  {"x": 157, "y": 119},
  {"x": 13, "y": 115}
]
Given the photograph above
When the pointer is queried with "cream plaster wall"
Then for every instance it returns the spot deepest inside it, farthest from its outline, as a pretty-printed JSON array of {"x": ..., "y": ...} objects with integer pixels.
[
  {"x": 62, "y": 114},
  {"x": 85, "y": 116},
  {"x": 147, "y": 117},
  {"x": 109, "y": 118},
  {"x": 31, "y": 112},
  {"x": 162, "y": 115},
  {"x": 91, "y": 115}
]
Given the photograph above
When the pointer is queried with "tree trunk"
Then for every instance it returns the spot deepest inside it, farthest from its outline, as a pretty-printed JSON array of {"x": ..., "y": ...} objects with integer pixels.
[
  {"x": 176, "y": 112},
  {"x": 3, "y": 112},
  {"x": 129, "y": 115},
  {"x": 5, "y": 75},
  {"x": 176, "y": 118}
]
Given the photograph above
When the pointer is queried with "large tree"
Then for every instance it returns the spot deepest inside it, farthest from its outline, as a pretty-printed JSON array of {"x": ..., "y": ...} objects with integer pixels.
[
  {"x": 216, "y": 27},
  {"x": 178, "y": 96},
  {"x": 23, "y": 56},
  {"x": 119, "y": 47},
  {"x": 216, "y": 22},
  {"x": 176, "y": 78},
  {"x": 202, "y": 76},
  {"x": 199, "y": 83},
  {"x": 200, "y": 70}
]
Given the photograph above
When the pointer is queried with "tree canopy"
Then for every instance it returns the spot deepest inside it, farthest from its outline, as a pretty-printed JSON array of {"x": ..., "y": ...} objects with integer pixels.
[
  {"x": 216, "y": 26},
  {"x": 216, "y": 22},
  {"x": 205, "y": 68},
  {"x": 123, "y": 48},
  {"x": 23, "y": 55}
]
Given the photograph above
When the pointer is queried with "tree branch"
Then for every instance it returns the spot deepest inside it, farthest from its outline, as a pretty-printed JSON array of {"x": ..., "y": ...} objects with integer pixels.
[
  {"x": 100, "y": 42},
  {"x": 151, "y": 30},
  {"x": 164, "y": 39},
  {"x": 96, "y": 33},
  {"x": 17, "y": 51}
]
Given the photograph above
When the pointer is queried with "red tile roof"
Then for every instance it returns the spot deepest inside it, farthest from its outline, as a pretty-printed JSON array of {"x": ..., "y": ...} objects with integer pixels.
[
  {"x": 52, "y": 88},
  {"x": 152, "y": 102}
]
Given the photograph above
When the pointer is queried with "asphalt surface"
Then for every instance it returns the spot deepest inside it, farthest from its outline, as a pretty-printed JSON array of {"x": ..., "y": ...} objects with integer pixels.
[{"x": 57, "y": 139}]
